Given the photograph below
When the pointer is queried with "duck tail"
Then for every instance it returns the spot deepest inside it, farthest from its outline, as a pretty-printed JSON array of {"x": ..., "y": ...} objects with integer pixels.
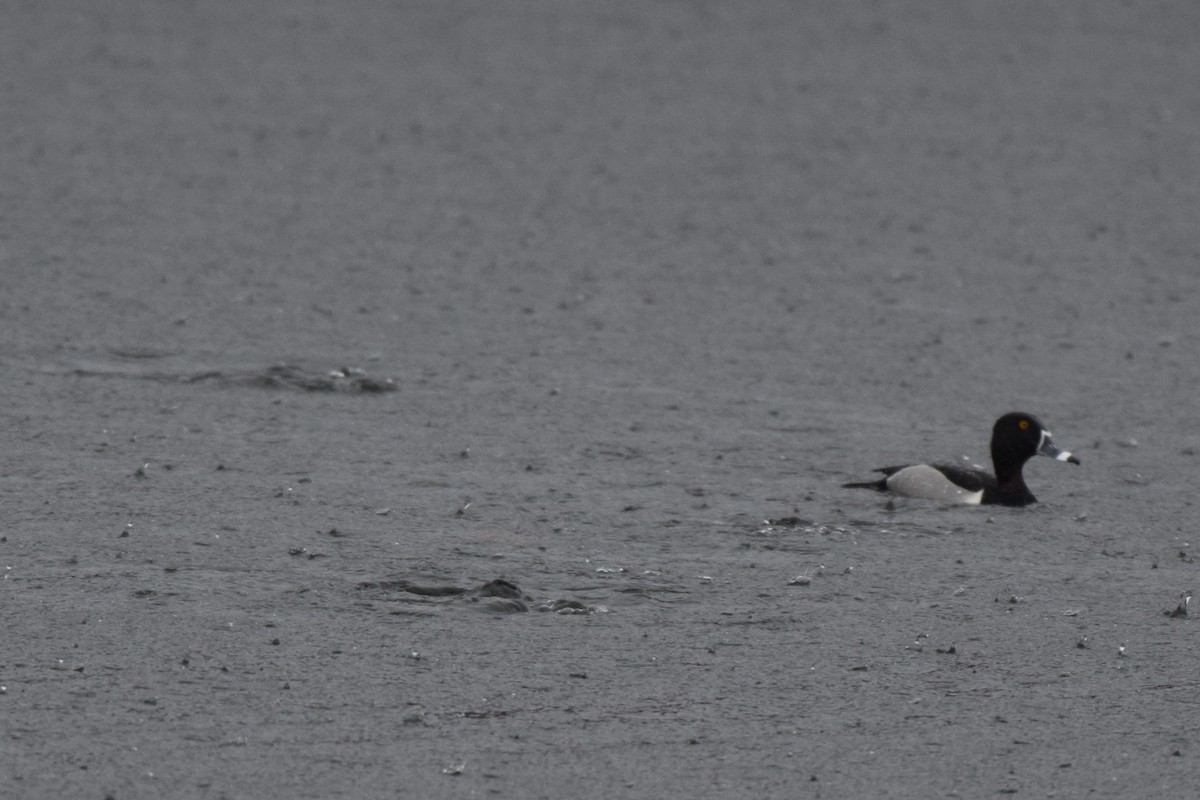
[{"x": 879, "y": 485}]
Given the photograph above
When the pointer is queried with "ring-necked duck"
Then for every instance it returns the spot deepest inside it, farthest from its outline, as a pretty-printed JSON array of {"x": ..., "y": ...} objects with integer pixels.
[{"x": 1016, "y": 438}]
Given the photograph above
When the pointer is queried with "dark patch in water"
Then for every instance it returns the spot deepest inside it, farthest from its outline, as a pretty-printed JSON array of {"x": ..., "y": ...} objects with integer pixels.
[
  {"x": 350, "y": 380},
  {"x": 412, "y": 588},
  {"x": 342, "y": 379},
  {"x": 789, "y": 522},
  {"x": 497, "y": 596},
  {"x": 497, "y": 588}
]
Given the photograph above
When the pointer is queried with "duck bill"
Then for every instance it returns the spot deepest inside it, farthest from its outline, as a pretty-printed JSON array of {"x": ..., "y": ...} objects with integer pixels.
[{"x": 1048, "y": 448}]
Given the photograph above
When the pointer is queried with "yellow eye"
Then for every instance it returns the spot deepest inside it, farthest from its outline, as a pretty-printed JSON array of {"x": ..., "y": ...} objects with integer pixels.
[{"x": 1023, "y": 424}]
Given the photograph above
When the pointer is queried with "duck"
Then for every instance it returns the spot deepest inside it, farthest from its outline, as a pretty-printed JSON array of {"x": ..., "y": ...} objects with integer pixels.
[{"x": 1016, "y": 438}]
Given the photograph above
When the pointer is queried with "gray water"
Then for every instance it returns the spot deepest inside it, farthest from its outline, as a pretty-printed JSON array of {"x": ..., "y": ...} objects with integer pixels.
[{"x": 649, "y": 282}]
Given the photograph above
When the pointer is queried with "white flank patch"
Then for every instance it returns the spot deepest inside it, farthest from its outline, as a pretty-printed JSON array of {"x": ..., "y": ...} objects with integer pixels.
[{"x": 925, "y": 482}]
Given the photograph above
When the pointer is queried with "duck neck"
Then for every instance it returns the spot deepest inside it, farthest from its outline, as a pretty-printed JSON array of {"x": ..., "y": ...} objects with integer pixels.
[{"x": 1009, "y": 478}]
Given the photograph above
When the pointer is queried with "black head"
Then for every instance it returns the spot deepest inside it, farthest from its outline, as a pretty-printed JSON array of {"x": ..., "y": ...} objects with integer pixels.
[{"x": 1018, "y": 437}]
